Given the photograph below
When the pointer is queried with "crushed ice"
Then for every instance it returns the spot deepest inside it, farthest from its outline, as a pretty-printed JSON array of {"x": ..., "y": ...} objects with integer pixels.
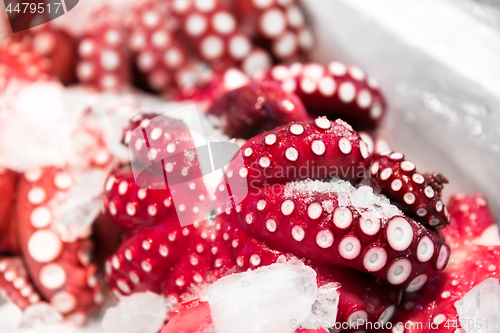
[
  {"x": 489, "y": 237},
  {"x": 479, "y": 309},
  {"x": 10, "y": 317},
  {"x": 362, "y": 198},
  {"x": 46, "y": 124},
  {"x": 325, "y": 307},
  {"x": 40, "y": 318},
  {"x": 271, "y": 299},
  {"x": 80, "y": 206},
  {"x": 138, "y": 313}
]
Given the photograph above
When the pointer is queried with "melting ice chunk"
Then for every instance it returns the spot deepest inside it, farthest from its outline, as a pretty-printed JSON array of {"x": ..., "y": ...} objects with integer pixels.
[
  {"x": 41, "y": 315},
  {"x": 362, "y": 198},
  {"x": 138, "y": 313},
  {"x": 325, "y": 307},
  {"x": 267, "y": 300},
  {"x": 480, "y": 308},
  {"x": 74, "y": 218},
  {"x": 10, "y": 317},
  {"x": 489, "y": 237}
]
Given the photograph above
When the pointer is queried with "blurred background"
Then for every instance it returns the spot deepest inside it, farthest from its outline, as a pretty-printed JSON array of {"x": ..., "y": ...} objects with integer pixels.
[{"x": 438, "y": 62}]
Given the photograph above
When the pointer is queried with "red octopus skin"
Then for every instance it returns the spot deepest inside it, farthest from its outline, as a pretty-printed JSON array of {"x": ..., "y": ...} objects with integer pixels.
[
  {"x": 470, "y": 264},
  {"x": 211, "y": 30},
  {"x": 8, "y": 184},
  {"x": 360, "y": 293},
  {"x": 163, "y": 63},
  {"x": 121, "y": 197},
  {"x": 163, "y": 257},
  {"x": 299, "y": 223},
  {"x": 133, "y": 206},
  {"x": 255, "y": 108},
  {"x": 209, "y": 87},
  {"x": 334, "y": 90},
  {"x": 471, "y": 214},
  {"x": 418, "y": 195},
  {"x": 15, "y": 284},
  {"x": 168, "y": 259},
  {"x": 9, "y": 243},
  {"x": 58, "y": 47},
  {"x": 160, "y": 58},
  {"x": 153, "y": 138},
  {"x": 102, "y": 53},
  {"x": 176, "y": 262},
  {"x": 61, "y": 271},
  {"x": 278, "y": 26},
  {"x": 274, "y": 157},
  {"x": 18, "y": 61},
  {"x": 107, "y": 237}
]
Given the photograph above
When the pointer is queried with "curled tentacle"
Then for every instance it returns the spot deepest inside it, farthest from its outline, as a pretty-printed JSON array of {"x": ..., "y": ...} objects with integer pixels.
[
  {"x": 15, "y": 284},
  {"x": 168, "y": 259},
  {"x": 255, "y": 108},
  {"x": 131, "y": 206},
  {"x": 360, "y": 293},
  {"x": 60, "y": 268},
  {"x": 330, "y": 223},
  {"x": 102, "y": 53},
  {"x": 144, "y": 260},
  {"x": 335, "y": 91},
  {"x": 278, "y": 26},
  {"x": 20, "y": 62},
  {"x": 211, "y": 30},
  {"x": 418, "y": 195},
  {"x": 56, "y": 47},
  {"x": 474, "y": 238}
]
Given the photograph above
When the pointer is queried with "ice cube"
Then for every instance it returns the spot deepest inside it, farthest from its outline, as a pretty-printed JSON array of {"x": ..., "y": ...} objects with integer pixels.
[
  {"x": 267, "y": 300},
  {"x": 10, "y": 317},
  {"x": 138, "y": 313},
  {"x": 74, "y": 217},
  {"x": 40, "y": 315},
  {"x": 489, "y": 237},
  {"x": 479, "y": 309},
  {"x": 325, "y": 307},
  {"x": 37, "y": 127},
  {"x": 361, "y": 198}
]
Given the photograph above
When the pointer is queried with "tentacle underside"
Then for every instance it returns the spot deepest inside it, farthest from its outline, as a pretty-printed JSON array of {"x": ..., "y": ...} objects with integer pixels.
[
  {"x": 334, "y": 91},
  {"x": 15, "y": 284},
  {"x": 314, "y": 225},
  {"x": 8, "y": 237},
  {"x": 361, "y": 295},
  {"x": 61, "y": 271}
]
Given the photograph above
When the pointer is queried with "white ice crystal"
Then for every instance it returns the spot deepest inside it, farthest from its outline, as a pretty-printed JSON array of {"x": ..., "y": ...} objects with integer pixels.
[
  {"x": 41, "y": 315},
  {"x": 10, "y": 317},
  {"x": 76, "y": 210},
  {"x": 325, "y": 307},
  {"x": 138, "y": 313},
  {"x": 489, "y": 237},
  {"x": 270, "y": 299},
  {"x": 479, "y": 309},
  {"x": 41, "y": 125},
  {"x": 362, "y": 198}
]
